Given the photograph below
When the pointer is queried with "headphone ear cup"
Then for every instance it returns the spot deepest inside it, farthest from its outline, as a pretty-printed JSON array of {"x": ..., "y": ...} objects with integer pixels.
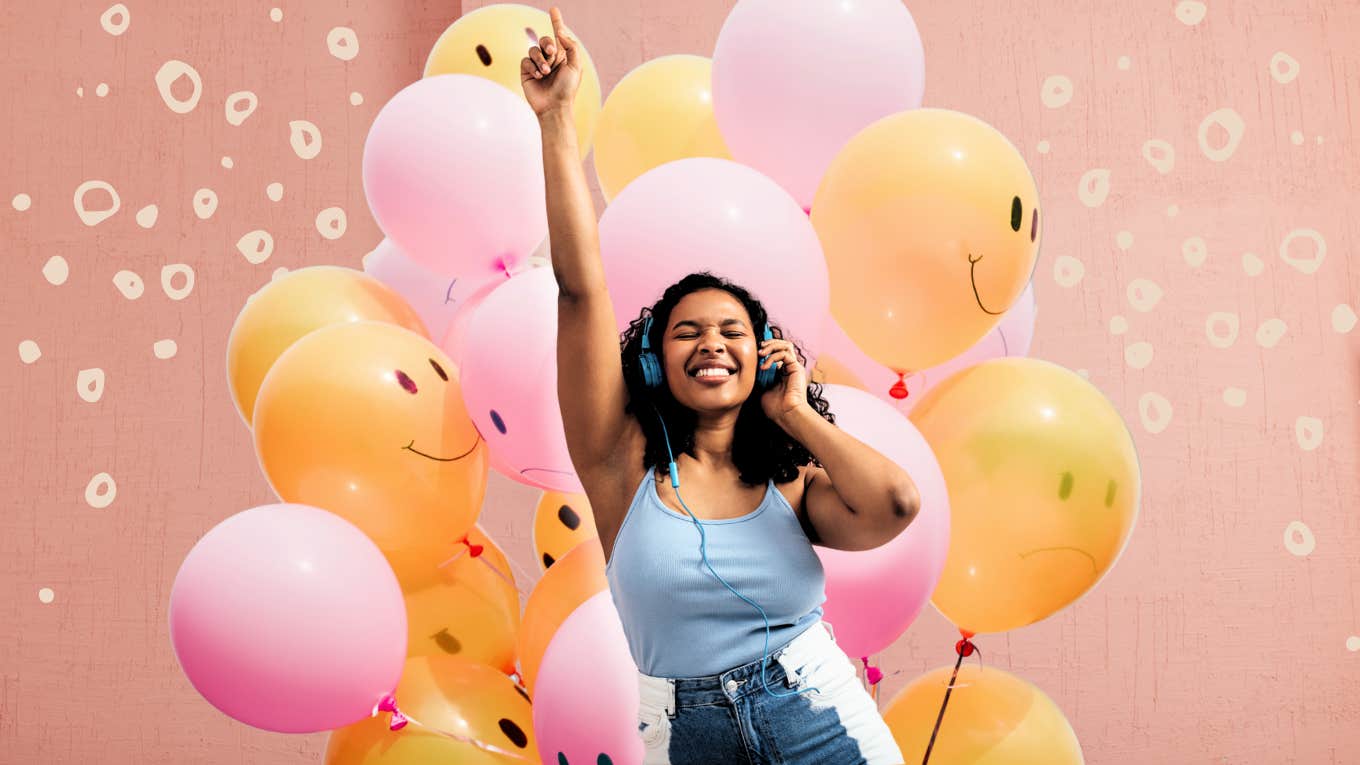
[
  {"x": 766, "y": 378},
  {"x": 651, "y": 369}
]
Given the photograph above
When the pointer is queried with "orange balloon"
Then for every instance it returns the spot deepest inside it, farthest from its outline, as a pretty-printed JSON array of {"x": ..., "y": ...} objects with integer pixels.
[
  {"x": 569, "y": 583},
  {"x": 993, "y": 718},
  {"x": 930, "y": 224},
  {"x": 451, "y": 694},
  {"x": 366, "y": 420},
  {"x": 829, "y": 371},
  {"x": 561, "y": 521},
  {"x": 294, "y": 304},
  {"x": 1043, "y": 490},
  {"x": 472, "y": 610}
]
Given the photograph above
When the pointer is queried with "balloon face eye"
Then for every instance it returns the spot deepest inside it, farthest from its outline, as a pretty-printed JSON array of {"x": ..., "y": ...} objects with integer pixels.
[
  {"x": 1065, "y": 488},
  {"x": 514, "y": 733},
  {"x": 497, "y": 421},
  {"x": 1110, "y": 492},
  {"x": 1034, "y": 225},
  {"x": 439, "y": 370},
  {"x": 1017, "y": 213},
  {"x": 532, "y": 35},
  {"x": 484, "y": 55},
  {"x": 406, "y": 382},
  {"x": 568, "y": 517}
]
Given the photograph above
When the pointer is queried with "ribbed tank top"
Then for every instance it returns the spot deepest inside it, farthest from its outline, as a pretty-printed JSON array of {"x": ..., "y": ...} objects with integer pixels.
[{"x": 680, "y": 621}]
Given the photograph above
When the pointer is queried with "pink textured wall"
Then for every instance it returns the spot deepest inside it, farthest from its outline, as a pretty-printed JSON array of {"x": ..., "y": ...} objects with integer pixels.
[{"x": 1227, "y": 633}]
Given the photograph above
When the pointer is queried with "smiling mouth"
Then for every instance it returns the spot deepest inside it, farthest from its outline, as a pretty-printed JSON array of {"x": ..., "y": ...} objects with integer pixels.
[
  {"x": 972, "y": 277},
  {"x": 1095, "y": 569},
  {"x": 411, "y": 448}
]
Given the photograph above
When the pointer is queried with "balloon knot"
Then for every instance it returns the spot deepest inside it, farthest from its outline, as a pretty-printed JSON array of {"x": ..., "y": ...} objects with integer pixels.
[
  {"x": 388, "y": 703},
  {"x": 965, "y": 648},
  {"x": 899, "y": 388},
  {"x": 473, "y": 550},
  {"x": 873, "y": 674}
]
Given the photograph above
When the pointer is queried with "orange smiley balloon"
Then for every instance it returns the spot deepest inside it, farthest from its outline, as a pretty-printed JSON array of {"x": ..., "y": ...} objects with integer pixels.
[
  {"x": 366, "y": 420},
  {"x": 569, "y": 583},
  {"x": 561, "y": 522}
]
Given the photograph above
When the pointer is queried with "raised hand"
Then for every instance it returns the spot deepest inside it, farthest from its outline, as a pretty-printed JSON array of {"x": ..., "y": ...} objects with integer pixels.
[{"x": 551, "y": 72}]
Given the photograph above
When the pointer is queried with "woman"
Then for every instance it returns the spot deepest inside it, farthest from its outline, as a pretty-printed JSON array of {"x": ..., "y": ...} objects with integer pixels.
[{"x": 719, "y": 590}]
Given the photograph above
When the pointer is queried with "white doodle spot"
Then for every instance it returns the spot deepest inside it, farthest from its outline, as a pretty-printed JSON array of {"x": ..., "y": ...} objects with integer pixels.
[
  {"x": 342, "y": 43},
  {"x": 305, "y": 138},
  {"x": 1353, "y": 643},
  {"x": 146, "y": 217},
  {"x": 168, "y": 274},
  {"x": 1118, "y": 325},
  {"x": 1343, "y": 318},
  {"x": 1155, "y": 412},
  {"x": 129, "y": 283},
  {"x": 46, "y": 595},
  {"x": 1231, "y": 123},
  {"x": 1067, "y": 270},
  {"x": 1296, "y": 137},
  {"x": 1144, "y": 295},
  {"x": 256, "y": 246},
  {"x": 1308, "y": 432},
  {"x": 1270, "y": 332},
  {"x": 164, "y": 349},
  {"x": 239, "y": 106},
  {"x": 1234, "y": 397},
  {"x": 1298, "y": 538},
  {"x": 95, "y": 217},
  {"x": 1190, "y": 12},
  {"x": 331, "y": 223},
  {"x": 1160, "y": 154},
  {"x": 1094, "y": 187},
  {"x": 1173, "y": 211},
  {"x": 101, "y": 491},
  {"x": 205, "y": 203},
  {"x": 276, "y": 15},
  {"x": 80, "y": 92},
  {"x": 274, "y": 191},
  {"x": 1311, "y": 262},
  {"x": 90, "y": 384},
  {"x": 1319, "y": 140},
  {"x": 1123, "y": 240},
  {"x": 1283, "y": 67},
  {"x": 1252, "y": 264},
  {"x": 356, "y": 98},
  {"x": 102, "y": 89},
  {"x": 166, "y": 76},
  {"x": 1195, "y": 251},
  {"x": 228, "y": 163},
  {"x": 56, "y": 270},
  {"x": 1222, "y": 327},
  {"x": 1056, "y": 91},
  {"x": 1123, "y": 63},
  {"x": 1138, "y": 355},
  {"x": 116, "y": 19},
  {"x": 21, "y": 202},
  {"x": 29, "y": 351}
]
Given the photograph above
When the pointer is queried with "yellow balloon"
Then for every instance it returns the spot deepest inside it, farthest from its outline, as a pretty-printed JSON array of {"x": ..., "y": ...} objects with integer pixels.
[
  {"x": 930, "y": 224},
  {"x": 1043, "y": 490},
  {"x": 450, "y": 694},
  {"x": 659, "y": 112},
  {"x": 366, "y": 420},
  {"x": 993, "y": 718},
  {"x": 561, "y": 521},
  {"x": 294, "y": 304},
  {"x": 471, "y": 610},
  {"x": 492, "y": 40}
]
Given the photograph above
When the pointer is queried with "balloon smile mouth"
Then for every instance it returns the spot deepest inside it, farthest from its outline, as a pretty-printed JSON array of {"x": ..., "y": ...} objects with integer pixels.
[
  {"x": 411, "y": 448},
  {"x": 547, "y": 470},
  {"x": 972, "y": 277},
  {"x": 1095, "y": 569}
]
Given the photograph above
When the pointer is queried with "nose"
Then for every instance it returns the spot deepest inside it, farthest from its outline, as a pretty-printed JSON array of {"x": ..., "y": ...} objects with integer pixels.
[{"x": 712, "y": 342}]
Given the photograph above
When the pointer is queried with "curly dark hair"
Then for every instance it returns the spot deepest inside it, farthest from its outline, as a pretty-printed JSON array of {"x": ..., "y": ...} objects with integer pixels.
[{"x": 761, "y": 450}]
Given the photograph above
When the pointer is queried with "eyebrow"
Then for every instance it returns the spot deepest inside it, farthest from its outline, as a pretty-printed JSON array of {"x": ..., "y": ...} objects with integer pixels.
[{"x": 695, "y": 324}]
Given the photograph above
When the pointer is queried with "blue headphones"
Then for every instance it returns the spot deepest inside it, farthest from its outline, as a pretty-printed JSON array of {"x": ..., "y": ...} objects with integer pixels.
[{"x": 654, "y": 377}]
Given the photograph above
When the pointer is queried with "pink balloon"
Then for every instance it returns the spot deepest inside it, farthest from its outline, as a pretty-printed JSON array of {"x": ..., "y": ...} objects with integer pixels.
[
  {"x": 453, "y": 171},
  {"x": 509, "y": 368},
  {"x": 586, "y": 695},
  {"x": 455, "y": 336},
  {"x": 286, "y": 617},
  {"x": 715, "y": 215},
  {"x": 788, "y": 115},
  {"x": 436, "y": 297},
  {"x": 872, "y": 596}
]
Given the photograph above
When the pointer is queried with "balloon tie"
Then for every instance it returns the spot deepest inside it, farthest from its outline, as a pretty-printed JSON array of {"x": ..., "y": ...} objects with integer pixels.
[
  {"x": 873, "y": 674},
  {"x": 963, "y": 648},
  {"x": 388, "y": 703},
  {"x": 899, "y": 388}
]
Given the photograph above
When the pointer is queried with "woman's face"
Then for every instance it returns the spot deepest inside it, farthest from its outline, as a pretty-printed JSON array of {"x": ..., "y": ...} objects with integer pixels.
[{"x": 709, "y": 351}]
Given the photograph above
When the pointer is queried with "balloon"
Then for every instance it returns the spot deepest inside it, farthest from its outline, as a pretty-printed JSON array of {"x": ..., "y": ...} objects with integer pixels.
[
  {"x": 453, "y": 172},
  {"x": 570, "y": 582},
  {"x": 435, "y": 297},
  {"x": 659, "y": 112},
  {"x": 490, "y": 42},
  {"x": 993, "y": 718},
  {"x": 872, "y": 596},
  {"x": 1043, "y": 486},
  {"x": 450, "y": 694},
  {"x": 367, "y": 420},
  {"x": 455, "y": 337},
  {"x": 927, "y": 247},
  {"x": 510, "y": 381},
  {"x": 843, "y": 362},
  {"x": 586, "y": 700},
  {"x": 294, "y": 304},
  {"x": 788, "y": 114},
  {"x": 287, "y": 618},
  {"x": 715, "y": 215},
  {"x": 561, "y": 521},
  {"x": 472, "y": 609}
]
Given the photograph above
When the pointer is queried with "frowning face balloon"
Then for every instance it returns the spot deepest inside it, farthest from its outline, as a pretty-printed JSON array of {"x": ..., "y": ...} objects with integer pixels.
[{"x": 366, "y": 420}]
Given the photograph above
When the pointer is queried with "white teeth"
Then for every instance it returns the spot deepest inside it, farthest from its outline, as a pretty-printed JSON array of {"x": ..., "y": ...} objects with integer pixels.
[{"x": 713, "y": 372}]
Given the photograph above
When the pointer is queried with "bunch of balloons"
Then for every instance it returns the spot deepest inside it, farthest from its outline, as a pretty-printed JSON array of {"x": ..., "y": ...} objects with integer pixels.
[{"x": 894, "y": 243}]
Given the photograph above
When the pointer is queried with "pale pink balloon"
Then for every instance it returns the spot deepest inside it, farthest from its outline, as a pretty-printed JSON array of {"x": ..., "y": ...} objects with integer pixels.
[
  {"x": 453, "y": 172},
  {"x": 715, "y": 215},
  {"x": 288, "y": 618},
  {"x": 509, "y": 368},
  {"x": 436, "y": 297},
  {"x": 586, "y": 695},
  {"x": 872, "y": 596},
  {"x": 793, "y": 80}
]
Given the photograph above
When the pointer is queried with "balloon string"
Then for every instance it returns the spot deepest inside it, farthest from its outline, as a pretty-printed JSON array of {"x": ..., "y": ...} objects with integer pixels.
[
  {"x": 964, "y": 647},
  {"x": 399, "y": 720}
]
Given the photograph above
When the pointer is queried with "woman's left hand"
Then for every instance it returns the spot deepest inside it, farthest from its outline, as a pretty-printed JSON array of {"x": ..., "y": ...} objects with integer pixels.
[{"x": 790, "y": 389}]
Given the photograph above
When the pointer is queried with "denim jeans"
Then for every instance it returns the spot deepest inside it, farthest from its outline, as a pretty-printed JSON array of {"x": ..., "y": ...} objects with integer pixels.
[{"x": 729, "y": 718}]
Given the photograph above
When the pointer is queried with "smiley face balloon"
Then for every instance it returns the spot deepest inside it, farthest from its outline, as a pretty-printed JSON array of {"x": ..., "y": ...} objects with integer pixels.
[
  {"x": 491, "y": 41},
  {"x": 930, "y": 224},
  {"x": 561, "y": 521},
  {"x": 1043, "y": 490},
  {"x": 366, "y": 420}
]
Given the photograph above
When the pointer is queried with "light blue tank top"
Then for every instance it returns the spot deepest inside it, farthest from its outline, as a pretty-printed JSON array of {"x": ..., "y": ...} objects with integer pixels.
[{"x": 681, "y": 621}]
